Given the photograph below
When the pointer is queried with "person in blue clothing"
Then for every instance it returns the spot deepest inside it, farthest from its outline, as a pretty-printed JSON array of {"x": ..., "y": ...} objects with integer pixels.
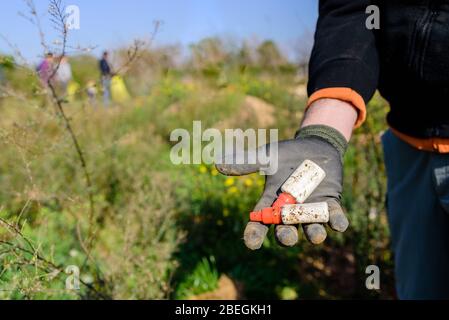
[{"x": 106, "y": 76}]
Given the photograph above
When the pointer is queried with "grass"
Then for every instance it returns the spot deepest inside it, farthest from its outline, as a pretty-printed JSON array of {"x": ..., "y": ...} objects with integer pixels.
[{"x": 203, "y": 278}]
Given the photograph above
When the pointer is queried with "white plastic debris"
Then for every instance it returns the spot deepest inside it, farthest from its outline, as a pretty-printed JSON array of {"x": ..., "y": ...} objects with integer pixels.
[
  {"x": 305, "y": 213},
  {"x": 304, "y": 181}
]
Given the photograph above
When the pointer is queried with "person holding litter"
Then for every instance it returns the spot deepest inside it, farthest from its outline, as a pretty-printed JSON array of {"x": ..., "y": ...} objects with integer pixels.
[{"x": 407, "y": 58}]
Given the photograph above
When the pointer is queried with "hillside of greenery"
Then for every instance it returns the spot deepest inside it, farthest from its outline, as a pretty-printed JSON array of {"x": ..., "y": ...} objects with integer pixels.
[{"x": 154, "y": 230}]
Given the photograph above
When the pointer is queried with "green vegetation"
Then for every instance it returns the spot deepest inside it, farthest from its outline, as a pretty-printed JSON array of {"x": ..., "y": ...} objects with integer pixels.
[{"x": 162, "y": 231}]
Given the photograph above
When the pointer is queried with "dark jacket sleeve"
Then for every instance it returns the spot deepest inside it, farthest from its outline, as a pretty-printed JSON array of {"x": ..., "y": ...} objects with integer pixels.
[{"x": 344, "y": 53}]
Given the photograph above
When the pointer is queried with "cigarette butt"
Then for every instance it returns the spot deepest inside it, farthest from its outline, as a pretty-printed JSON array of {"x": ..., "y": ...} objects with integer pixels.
[
  {"x": 305, "y": 213},
  {"x": 304, "y": 181}
]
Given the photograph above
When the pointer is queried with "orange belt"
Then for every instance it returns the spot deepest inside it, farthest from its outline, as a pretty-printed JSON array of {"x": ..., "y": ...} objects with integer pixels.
[{"x": 439, "y": 145}]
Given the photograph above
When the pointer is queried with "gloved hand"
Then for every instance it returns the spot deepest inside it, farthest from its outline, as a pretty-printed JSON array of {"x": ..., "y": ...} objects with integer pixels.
[{"x": 321, "y": 144}]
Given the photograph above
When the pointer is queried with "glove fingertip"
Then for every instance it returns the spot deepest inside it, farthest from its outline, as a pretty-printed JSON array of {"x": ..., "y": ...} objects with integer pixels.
[
  {"x": 236, "y": 169},
  {"x": 254, "y": 235},
  {"x": 287, "y": 235},
  {"x": 315, "y": 233},
  {"x": 338, "y": 222},
  {"x": 226, "y": 170},
  {"x": 337, "y": 218}
]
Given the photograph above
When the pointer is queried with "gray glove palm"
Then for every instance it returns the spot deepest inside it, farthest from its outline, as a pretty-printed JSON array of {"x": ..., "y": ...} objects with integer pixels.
[{"x": 324, "y": 146}]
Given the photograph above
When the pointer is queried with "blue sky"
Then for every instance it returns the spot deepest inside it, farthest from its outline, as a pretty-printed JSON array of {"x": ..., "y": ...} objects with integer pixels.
[{"x": 112, "y": 23}]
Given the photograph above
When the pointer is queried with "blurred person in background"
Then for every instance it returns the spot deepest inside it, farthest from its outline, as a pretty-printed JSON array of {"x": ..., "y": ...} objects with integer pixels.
[
  {"x": 407, "y": 59},
  {"x": 45, "y": 69},
  {"x": 106, "y": 76},
  {"x": 91, "y": 90},
  {"x": 63, "y": 74}
]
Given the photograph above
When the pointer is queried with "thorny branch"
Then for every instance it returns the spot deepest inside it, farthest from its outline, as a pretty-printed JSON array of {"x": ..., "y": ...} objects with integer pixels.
[
  {"x": 134, "y": 51},
  {"x": 36, "y": 21},
  {"x": 59, "y": 20},
  {"x": 48, "y": 266}
]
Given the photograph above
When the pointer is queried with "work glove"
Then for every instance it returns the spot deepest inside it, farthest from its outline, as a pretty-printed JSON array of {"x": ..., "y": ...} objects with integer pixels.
[{"x": 321, "y": 144}]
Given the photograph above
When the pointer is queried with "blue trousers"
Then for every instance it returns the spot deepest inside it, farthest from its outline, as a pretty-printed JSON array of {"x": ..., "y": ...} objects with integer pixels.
[{"x": 418, "y": 214}]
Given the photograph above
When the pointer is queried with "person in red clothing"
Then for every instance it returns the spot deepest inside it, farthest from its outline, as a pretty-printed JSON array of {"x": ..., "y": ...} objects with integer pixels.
[{"x": 407, "y": 60}]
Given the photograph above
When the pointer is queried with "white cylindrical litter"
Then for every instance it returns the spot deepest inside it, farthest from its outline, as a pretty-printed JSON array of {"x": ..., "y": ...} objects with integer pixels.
[
  {"x": 305, "y": 213},
  {"x": 304, "y": 181}
]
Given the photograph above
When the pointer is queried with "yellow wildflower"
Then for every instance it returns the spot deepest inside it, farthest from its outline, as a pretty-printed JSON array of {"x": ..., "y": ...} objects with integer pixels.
[
  {"x": 248, "y": 182},
  {"x": 203, "y": 169},
  {"x": 229, "y": 182},
  {"x": 233, "y": 190}
]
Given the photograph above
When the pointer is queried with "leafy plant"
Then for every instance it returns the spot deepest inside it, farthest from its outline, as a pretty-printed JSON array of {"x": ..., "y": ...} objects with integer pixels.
[{"x": 203, "y": 278}]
